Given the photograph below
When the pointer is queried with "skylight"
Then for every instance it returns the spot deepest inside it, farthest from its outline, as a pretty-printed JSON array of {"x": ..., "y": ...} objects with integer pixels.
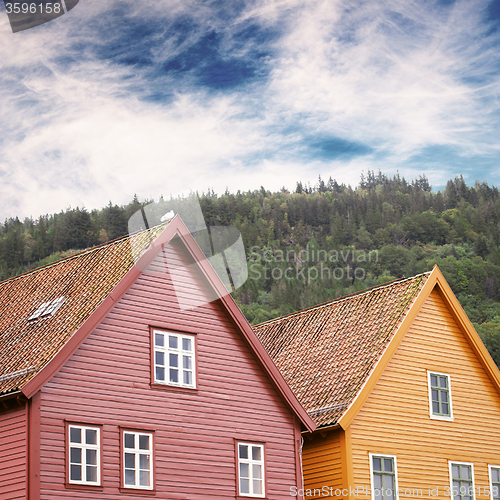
[{"x": 47, "y": 308}]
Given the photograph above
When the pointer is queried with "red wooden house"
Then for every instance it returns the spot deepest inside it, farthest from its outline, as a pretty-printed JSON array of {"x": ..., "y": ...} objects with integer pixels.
[{"x": 109, "y": 390}]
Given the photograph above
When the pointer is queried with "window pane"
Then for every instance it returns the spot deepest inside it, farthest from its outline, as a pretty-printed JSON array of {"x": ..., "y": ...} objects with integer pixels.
[
  {"x": 172, "y": 342},
  {"x": 144, "y": 478},
  {"x": 129, "y": 440},
  {"x": 143, "y": 442},
  {"x": 377, "y": 481},
  {"x": 91, "y": 436},
  {"x": 186, "y": 344},
  {"x": 188, "y": 379},
  {"x": 159, "y": 340},
  {"x": 495, "y": 475},
  {"x": 465, "y": 471},
  {"x": 160, "y": 358},
  {"x": 443, "y": 383},
  {"x": 91, "y": 457},
  {"x": 243, "y": 451},
  {"x": 174, "y": 376},
  {"x": 75, "y": 455},
  {"x": 435, "y": 407},
  {"x": 389, "y": 482},
  {"x": 91, "y": 474},
  {"x": 244, "y": 470},
  {"x": 75, "y": 435},
  {"x": 455, "y": 472},
  {"x": 377, "y": 464},
  {"x": 244, "y": 486},
  {"x": 186, "y": 362},
  {"x": 389, "y": 495},
  {"x": 444, "y": 396},
  {"x": 160, "y": 373},
  {"x": 75, "y": 473},
  {"x": 388, "y": 464},
  {"x": 445, "y": 409},
  {"x": 496, "y": 492},
  {"x": 257, "y": 487},
  {"x": 435, "y": 395},
  {"x": 257, "y": 471},
  {"x": 173, "y": 360},
  {"x": 434, "y": 381},
  {"x": 129, "y": 461},
  {"x": 256, "y": 453},
  {"x": 130, "y": 477},
  {"x": 144, "y": 462}
]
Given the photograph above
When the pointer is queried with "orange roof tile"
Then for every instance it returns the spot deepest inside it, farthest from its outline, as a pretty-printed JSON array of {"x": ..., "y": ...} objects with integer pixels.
[
  {"x": 85, "y": 279},
  {"x": 327, "y": 352}
]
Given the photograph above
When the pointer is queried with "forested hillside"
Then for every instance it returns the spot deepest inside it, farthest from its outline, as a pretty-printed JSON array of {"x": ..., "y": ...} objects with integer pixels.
[{"x": 318, "y": 242}]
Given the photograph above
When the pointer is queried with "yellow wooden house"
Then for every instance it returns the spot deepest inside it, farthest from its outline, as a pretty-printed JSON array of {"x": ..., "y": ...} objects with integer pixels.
[{"x": 404, "y": 393}]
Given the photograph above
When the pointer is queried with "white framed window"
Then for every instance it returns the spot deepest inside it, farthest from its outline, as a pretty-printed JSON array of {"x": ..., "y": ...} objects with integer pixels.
[
  {"x": 138, "y": 460},
  {"x": 440, "y": 406},
  {"x": 462, "y": 480},
  {"x": 174, "y": 359},
  {"x": 384, "y": 476},
  {"x": 84, "y": 455},
  {"x": 251, "y": 479},
  {"x": 494, "y": 473}
]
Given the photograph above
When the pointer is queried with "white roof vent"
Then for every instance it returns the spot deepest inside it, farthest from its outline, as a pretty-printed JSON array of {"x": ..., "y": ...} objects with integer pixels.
[{"x": 47, "y": 309}]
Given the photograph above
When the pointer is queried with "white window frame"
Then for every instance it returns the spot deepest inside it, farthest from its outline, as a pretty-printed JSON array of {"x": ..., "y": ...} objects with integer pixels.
[
  {"x": 383, "y": 455},
  {"x": 455, "y": 462},
  {"x": 136, "y": 452},
  {"x": 491, "y": 479},
  {"x": 83, "y": 446},
  {"x": 251, "y": 462},
  {"x": 449, "y": 418},
  {"x": 166, "y": 350}
]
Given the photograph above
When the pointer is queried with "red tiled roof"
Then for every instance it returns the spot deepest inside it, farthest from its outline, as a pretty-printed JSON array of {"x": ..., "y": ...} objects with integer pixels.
[
  {"x": 327, "y": 352},
  {"x": 85, "y": 279}
]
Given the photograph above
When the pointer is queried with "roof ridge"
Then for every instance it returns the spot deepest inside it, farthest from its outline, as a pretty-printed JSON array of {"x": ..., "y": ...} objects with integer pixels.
[
  {"x": 80, "y": 253},
  {"x": 340, "y": 299}
]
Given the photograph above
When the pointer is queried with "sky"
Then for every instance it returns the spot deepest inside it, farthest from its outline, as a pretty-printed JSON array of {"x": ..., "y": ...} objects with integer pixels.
[{"x": 120, "y": 97}]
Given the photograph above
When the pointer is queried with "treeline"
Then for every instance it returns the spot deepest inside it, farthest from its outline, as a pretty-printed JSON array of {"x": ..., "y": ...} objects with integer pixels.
[{"x": 318, "y": 242}]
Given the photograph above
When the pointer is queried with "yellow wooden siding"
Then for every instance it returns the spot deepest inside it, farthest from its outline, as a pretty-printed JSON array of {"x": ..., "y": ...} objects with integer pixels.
[
  {"x": 395, "y": 418},
  {"x": 322, "y": 461}
]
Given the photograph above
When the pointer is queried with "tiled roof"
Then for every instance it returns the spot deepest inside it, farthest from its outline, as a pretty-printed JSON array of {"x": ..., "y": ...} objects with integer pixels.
[
  {"x": 327, "y": 352},
  {"x": 84, "y": 279}
]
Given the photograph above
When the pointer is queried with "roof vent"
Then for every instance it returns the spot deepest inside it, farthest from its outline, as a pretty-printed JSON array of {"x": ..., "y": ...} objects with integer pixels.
[{"x": 47, "y": 309}]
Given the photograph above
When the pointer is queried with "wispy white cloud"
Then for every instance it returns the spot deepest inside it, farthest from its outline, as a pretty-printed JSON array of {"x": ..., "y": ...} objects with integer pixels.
[{"x": 83, "y": 123}]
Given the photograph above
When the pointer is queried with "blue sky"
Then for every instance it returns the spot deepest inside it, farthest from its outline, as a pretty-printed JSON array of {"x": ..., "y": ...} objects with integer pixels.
[{"x": 122, "y": 97}]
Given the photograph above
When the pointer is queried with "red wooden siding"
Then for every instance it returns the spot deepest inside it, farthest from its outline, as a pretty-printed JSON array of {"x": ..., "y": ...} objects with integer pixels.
[
  {"x": 107, "y": 381},
  {"x": 13, "y": 446}
]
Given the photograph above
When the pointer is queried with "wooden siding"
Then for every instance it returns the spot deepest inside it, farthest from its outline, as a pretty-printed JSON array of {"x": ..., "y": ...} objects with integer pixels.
[
  {"x": 323, "y": 462},
  {"x": 395, "y": 418},
  {"x": 13, "y": 450},
  {"x": 107, "y": 381}
]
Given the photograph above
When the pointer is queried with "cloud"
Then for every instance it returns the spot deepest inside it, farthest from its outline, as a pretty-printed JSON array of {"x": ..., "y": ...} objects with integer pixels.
[{"x": 117, "y": 98}]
